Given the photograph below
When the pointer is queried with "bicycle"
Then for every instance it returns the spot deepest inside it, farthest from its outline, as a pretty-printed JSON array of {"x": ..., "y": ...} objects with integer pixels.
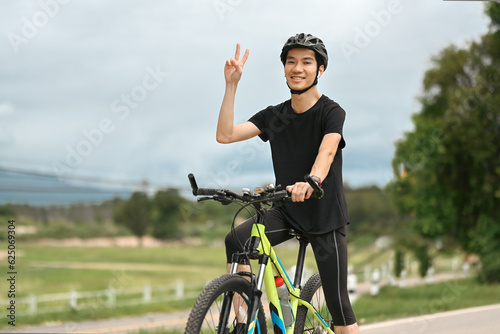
[{"x": 232, "y": 303}]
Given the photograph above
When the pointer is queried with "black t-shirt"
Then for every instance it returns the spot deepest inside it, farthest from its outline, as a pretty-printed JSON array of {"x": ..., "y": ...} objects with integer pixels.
[{"x": 295, "y": 140}]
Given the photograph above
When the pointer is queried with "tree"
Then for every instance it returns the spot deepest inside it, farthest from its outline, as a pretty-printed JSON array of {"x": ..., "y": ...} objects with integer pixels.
[
  {"x": 6, "y": 210},
  {"x": 135, "y": 214},
  {"x": 370, "y": 210},
  {"x": 166, "y": 214},
  {"x": 399, "y": 262},
  {"x": 448, "y": 168}
]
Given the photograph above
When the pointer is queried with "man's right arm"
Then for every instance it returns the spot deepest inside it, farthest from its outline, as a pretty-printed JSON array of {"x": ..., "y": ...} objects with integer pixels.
[{"x": 227, "y": 132}]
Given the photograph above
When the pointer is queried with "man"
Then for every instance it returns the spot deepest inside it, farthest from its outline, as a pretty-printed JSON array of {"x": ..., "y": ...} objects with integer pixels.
[{"x": 305, "y": 134}]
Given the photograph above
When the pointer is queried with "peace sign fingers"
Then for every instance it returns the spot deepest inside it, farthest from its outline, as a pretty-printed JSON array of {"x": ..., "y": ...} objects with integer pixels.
[
  {"x": 234, "y": 66},
  {"x": 237, "y": 54}
]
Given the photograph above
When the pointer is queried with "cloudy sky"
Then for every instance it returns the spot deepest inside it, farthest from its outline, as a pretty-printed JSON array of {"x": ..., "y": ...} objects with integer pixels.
[{"x": 130, "y": 90}]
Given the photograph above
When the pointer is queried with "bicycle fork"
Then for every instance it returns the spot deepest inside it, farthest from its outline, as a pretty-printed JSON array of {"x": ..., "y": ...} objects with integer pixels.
[
  {"x": 258, "y": 248},
  {"x": 256, "y": 295}
]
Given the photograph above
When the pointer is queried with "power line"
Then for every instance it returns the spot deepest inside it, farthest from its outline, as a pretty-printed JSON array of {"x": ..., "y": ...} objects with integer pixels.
[
  {"x": 58, "y": 190},
  {"x": 89, "y": 179}
]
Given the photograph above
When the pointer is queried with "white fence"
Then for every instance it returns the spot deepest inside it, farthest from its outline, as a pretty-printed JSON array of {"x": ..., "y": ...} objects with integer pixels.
[{"x": 109, "y": 298}]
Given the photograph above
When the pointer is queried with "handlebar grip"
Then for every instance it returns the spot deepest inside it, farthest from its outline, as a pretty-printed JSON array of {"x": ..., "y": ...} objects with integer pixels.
[
  {"x": 200, "y": 191},
  {"x": 318, "y": 191},
  {"x": 194, "y": 186},
  {"x": 207, "y": 191}
]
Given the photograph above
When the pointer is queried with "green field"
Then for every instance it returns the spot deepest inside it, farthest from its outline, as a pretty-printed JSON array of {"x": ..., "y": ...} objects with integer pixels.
[{"x": 52, "y": 269}]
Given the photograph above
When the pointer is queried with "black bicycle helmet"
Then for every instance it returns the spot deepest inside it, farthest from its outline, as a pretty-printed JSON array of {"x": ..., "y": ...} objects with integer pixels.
[
  {"x": 310, "y": 42},
  {"x": 306, "y": 41}
]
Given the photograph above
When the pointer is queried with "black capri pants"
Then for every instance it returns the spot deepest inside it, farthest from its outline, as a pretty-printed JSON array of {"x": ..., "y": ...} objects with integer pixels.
[{"x": 330, "y": 252}]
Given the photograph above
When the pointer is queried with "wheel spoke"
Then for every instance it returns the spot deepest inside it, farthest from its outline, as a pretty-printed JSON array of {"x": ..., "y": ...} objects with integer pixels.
[{"x": 306, "y": 321}]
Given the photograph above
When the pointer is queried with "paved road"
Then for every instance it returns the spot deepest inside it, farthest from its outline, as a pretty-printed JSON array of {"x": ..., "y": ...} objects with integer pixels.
[
  {"x": 478, "y": 320},
  {"x": 115, "y": 326}
]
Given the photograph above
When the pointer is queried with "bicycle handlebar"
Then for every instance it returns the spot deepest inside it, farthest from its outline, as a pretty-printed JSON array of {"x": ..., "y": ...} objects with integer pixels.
[{"x": 226, "y": 196}]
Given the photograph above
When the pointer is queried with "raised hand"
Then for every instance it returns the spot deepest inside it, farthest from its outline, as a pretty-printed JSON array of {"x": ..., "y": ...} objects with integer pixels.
[{"x": 234, "y": 66}]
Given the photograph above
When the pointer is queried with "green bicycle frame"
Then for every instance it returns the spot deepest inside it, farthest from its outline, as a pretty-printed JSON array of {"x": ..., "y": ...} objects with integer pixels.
[{"x": 266, "y": 275}]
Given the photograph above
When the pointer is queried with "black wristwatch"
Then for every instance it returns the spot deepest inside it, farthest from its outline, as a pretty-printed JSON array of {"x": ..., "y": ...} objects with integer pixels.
[{"x": 316, "y": 179}]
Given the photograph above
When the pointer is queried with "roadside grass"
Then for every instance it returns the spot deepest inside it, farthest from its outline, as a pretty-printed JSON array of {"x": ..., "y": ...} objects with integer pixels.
[{"x": 395, "y": 302}]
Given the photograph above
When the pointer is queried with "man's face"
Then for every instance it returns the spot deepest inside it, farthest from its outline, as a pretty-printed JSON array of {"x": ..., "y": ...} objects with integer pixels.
[{"x": 300, "y": 68}]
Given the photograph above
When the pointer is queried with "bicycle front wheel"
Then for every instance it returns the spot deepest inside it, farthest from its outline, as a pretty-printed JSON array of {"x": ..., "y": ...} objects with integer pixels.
[
  {"x": 306, "y": 322},
  {"x": 222, "y": 308}
]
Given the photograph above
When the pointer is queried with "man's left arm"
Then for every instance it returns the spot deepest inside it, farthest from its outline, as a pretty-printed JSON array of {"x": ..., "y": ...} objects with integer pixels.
[{"x": 321, "y": 167}]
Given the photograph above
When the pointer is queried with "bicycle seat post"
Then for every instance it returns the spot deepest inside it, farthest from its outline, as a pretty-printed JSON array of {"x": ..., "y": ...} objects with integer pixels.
[{"x": 303, "y": 242}]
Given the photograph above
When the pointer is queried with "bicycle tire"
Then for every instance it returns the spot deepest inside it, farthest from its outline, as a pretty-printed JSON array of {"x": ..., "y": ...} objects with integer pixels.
[
  {"x": 306, "y": 322},
  {"x": 204, "y": 317}
]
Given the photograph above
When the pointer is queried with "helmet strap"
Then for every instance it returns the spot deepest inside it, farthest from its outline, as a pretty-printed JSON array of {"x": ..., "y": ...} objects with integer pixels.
[{"x": 298, "y": 92}]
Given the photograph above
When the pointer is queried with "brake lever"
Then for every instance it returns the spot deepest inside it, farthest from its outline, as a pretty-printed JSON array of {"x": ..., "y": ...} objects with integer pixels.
[{"x": 222, "y": 199}]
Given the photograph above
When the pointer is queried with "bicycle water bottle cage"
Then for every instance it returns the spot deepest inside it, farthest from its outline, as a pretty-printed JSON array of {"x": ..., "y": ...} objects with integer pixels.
[{"x": 251, "y": 247}]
